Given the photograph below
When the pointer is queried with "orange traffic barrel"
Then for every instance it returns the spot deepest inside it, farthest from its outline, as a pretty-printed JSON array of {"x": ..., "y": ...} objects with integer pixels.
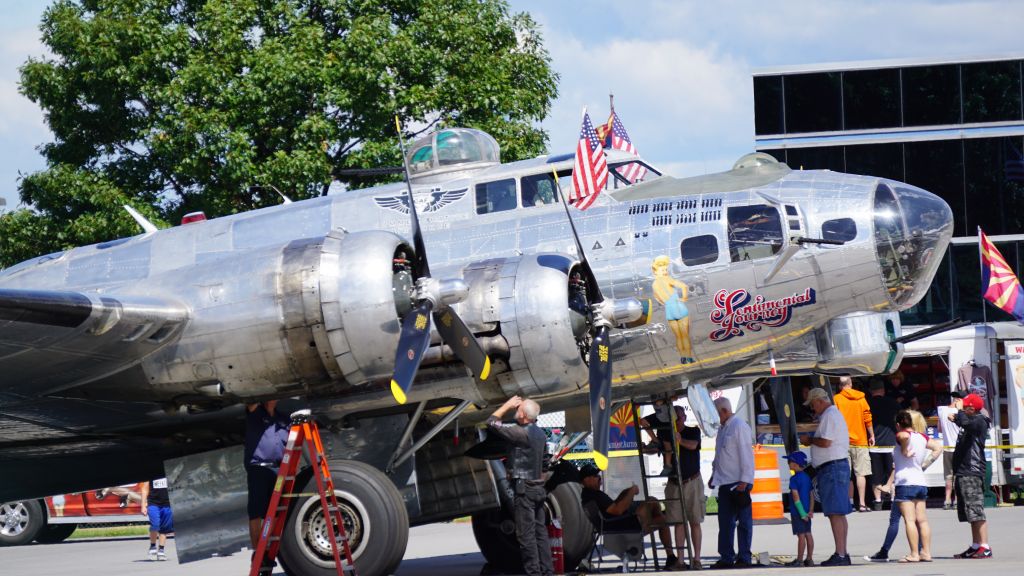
[{"x": 766, "y": 497}]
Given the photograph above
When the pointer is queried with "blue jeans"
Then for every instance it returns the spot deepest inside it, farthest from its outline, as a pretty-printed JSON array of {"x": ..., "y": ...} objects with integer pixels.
[
  {"x": 894, "y": 527},
  {"x": 729, "y": 518}
]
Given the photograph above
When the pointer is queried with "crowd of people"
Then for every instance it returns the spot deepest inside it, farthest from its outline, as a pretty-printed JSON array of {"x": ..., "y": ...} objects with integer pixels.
[{"x": 857, "y": 437}]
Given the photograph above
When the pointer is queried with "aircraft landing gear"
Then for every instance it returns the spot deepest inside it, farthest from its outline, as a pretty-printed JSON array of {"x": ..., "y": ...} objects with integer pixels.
[
  {"x": 376, "y": 523},
  {"x": 495, "y": 532}
]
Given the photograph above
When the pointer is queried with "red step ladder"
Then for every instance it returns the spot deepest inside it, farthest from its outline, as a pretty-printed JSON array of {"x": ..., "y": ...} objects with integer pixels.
[{"x": 304, "y": 431}]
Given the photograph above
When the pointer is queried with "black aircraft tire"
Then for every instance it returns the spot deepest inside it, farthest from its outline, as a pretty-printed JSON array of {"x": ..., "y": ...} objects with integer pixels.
[
  {"x": 376, "y": 523},
  {"x": 496, "y": 537},
  {"x": 54, "y": 533},
  {"x": 22, "y": 522},
  {"x": 577, "y": 532}
]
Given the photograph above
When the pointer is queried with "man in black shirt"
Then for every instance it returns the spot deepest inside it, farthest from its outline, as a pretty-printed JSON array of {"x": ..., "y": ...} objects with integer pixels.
[
  {"x": 883, "y": 415},
  {"x": 969, "y": 472},
  {"x": 266, "y": 433},
  {"x": 526, "y": 472},
  {"x": 622, "y": 514}
]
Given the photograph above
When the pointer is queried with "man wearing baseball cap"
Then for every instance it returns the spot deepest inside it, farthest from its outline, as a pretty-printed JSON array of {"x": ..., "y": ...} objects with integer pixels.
[
  {"x": 623, "y": 514},
  {"x": 969, "y": 472},
  {"x": 830, "y": 447}
]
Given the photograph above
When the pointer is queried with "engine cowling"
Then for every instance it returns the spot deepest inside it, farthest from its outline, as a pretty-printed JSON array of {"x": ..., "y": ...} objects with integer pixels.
[
  {"x": 343, "y": 292},
  {"x": 526, "y": 301}
]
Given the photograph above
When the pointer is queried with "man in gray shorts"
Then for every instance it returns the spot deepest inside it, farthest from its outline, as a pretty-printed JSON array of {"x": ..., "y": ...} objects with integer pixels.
[
  {"x": 969, "y": 473},
  {"x": 950, "y": 434},
  {"x": 684, "y": 493}
]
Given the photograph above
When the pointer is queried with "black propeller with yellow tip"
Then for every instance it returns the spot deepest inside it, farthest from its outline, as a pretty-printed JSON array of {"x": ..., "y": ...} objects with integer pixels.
[{"x": 431, "y": 301}]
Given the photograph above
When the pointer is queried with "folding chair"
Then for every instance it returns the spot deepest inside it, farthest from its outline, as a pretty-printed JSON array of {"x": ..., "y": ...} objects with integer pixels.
[{"x": 625, "y": 545}]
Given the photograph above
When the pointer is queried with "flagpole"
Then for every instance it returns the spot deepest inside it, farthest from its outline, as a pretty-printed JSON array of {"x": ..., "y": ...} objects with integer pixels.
[
  {"x": 981, "y": 269},
  {"x": 611, "y": 101}
]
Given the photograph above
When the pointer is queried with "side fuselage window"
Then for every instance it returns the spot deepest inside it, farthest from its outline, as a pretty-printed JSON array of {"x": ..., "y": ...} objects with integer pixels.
[
  {"x": 699, "y": 250},
  {"x": 496, "y": 196},
  {"x": 538, "y": 190},
  {"x": 754, "y": 232},
  {"x": 841, "y": 229}
]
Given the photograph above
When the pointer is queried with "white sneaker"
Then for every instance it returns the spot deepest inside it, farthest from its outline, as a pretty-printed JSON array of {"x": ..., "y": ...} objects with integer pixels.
[
  {"x": 152, "y": 554},
  {"x": 161, "y": 555}
]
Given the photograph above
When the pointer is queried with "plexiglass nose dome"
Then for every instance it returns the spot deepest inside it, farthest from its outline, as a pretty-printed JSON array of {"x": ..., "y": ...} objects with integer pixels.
[{"x": 451, "y": 150}]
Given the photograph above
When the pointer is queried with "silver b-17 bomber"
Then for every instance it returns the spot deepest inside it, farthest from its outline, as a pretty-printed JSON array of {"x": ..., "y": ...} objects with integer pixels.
[{"x": 402, "y": 327}]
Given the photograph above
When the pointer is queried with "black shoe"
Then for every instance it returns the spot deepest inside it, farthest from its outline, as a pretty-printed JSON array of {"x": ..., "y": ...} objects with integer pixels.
[
  {"x": 742, "y": 564},
  {"x": 670, "y": 561},
  {"x": 722, "y": 564},
  {"x": 969, "y": 553},
  {"x": 809, "y": 563},
  {"x": 837, "y": 560},
  {"x": 880, "y": 556},
  {"x": 876, "y": 506},
  {"x": 795, "y": 563}
]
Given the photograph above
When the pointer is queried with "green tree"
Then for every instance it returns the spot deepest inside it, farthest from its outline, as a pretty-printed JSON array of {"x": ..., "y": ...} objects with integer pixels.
[{"x": 180, "y": 105}]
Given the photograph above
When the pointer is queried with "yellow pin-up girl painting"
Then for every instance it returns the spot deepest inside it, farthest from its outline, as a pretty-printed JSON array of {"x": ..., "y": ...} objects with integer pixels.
[{"x": 673, "y": 294}]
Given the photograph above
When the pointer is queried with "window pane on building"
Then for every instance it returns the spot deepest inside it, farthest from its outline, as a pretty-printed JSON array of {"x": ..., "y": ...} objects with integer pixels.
[
  {"x": 818, "y": 158},
  {"x": 993, "y": 199},
  {"x": 882, "y": 160},
  {"x": 991, "y": 91},
  {"x": 813, "y": 102},
  {"x": 931, "y": 95},
  {"x": 938, "y": 167},
  {"x": 966, "y": 281},
  {"x": 768, "y": 105},
  {"x": 871, "y": 98},
  {"x": 779, "y": 154}
]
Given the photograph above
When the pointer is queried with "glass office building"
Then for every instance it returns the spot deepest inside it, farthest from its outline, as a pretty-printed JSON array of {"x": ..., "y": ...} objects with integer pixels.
[{"x": 954, "y": 128}]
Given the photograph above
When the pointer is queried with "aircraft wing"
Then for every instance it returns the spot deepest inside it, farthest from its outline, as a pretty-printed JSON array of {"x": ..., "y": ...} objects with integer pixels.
[{"x": 53, "y": 340}]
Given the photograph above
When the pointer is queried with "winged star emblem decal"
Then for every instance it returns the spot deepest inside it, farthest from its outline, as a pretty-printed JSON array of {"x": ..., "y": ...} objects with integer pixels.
[{"x": 435, "y": 201}]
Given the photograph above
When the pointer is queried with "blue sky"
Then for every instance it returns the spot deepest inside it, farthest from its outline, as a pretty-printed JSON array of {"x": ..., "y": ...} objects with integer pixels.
[{"x": 680, "y": 71}]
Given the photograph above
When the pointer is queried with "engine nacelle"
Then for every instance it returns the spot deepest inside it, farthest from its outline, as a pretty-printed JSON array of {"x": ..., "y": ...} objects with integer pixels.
[
  {"x": 347, "y": 300},
  {"x": 527, "y": 300}
]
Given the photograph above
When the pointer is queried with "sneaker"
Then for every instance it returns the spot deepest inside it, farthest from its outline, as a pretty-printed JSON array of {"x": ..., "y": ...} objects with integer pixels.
[
  {"x": 794, "y": 563},
  {"x": 837, "y": 560},
  {"x": 947, "y": 505},
  {"x": 880, "y": 556},
  {"x": 876, "y": 505},
  {"x": 808, "y": 563},
  {"x": 152, "y": 554},
  {"x": 161, "y": 555},
  {"x": 969, "y": 553},
  {"x": 982, "y": 552}
]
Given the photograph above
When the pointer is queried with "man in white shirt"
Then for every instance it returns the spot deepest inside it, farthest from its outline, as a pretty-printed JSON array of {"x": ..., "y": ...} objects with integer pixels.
[
  {"x": 733, "y": 474},
  {"x": 830, "y": 449},
  {"x": 950, "y": 433}
]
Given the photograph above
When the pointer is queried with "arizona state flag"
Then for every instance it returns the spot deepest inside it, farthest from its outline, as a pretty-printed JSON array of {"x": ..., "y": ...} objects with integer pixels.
[{"x": 998, "y": 282}]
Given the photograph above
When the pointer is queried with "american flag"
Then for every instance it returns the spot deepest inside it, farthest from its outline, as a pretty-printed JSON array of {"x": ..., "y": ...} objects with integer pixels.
[
  {"x": 590, "y": 169},
  {"x": 634, "y": 171}
]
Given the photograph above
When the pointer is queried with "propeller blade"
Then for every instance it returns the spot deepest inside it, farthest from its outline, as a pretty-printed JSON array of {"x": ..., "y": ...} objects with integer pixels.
[
  {"x": 413, "y": 342},
  {"x": 420, "y": 267},
  {"x": 594, "y": 291},
  {"x": 463, "y": 343},
  {"x": 600, "y": 395}
]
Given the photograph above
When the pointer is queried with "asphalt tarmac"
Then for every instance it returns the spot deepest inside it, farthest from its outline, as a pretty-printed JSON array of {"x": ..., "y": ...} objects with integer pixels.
[{"x": 449, "y": 549}]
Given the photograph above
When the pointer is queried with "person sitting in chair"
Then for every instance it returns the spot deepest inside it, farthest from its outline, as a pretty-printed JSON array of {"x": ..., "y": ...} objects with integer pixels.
[{"x": 623, "y": 514}]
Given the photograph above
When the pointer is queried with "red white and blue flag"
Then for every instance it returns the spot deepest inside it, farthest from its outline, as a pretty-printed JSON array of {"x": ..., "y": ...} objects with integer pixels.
[
  {"x": 616, "y": 138},
  {"x": 999, "y": 284},
  {"x": 590, "y": 169}
]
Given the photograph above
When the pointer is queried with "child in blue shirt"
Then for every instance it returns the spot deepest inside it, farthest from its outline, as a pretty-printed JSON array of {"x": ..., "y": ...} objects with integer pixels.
[{"x": 802, "y": 509}]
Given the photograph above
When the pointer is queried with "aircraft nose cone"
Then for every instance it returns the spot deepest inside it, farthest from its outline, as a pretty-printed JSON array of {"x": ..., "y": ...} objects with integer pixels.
[{"x": 913, "y": 227}]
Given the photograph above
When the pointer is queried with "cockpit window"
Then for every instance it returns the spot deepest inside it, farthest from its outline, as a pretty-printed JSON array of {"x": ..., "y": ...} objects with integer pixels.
[
  {"x": 538, "y": 190},
  {"x": 754, "y": 232},
  {"x": 628, "y": 173},
  {"x": 496, "y": 196}
]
